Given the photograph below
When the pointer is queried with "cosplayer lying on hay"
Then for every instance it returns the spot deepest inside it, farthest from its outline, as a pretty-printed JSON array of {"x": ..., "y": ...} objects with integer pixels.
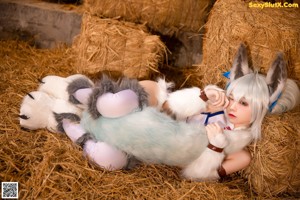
[{"x": 117, "y": 124}]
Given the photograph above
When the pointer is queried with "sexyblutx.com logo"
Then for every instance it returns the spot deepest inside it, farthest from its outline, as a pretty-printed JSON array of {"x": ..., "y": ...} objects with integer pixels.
[{"x": 272, "y": 5}]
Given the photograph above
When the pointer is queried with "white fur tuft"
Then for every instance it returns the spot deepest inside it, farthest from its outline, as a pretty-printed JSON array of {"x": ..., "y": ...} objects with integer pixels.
[
  {"x": 55, "y": 86},
  {"x": 40, "y": 111},
  {"x": 163, "y": 91},
  {"x": 204, "y": 168},
  {"x": 37, "y": 110},
  {"x": 186, "y": 102},
  {"x": 219, "y": 140}
]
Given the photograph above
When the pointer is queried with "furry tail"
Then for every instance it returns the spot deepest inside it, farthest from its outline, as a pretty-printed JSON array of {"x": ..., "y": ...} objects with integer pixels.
[{"x": 164, "y": 90}]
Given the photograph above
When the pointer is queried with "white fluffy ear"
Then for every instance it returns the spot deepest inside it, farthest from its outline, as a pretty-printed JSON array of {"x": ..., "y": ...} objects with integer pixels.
[
  {"x": 276, "y": 77},
  {"x": 35, "y": 110},
  {"x": 240, "y": 66}
]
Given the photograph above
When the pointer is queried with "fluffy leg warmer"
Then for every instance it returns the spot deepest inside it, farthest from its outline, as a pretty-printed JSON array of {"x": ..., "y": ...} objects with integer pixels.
[{"x": 100, "y": 153}]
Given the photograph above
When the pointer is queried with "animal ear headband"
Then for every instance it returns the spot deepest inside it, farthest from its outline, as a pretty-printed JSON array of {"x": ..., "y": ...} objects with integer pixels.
[{"x": 275, "y": 79}]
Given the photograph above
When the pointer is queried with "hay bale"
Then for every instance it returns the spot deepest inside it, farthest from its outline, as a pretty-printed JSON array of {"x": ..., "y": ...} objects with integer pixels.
[
  {"x": 275, "y": 167},
  {"x": 107, "y": 44},
  {"x": 265, "y": 31},
  {"x": 166, "y": 17}
]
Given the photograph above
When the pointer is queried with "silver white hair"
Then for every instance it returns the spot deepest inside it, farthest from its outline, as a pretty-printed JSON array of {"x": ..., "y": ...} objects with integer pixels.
[
  {"x": 258, "y": 90},
  {"x": 254, "y": 89}
]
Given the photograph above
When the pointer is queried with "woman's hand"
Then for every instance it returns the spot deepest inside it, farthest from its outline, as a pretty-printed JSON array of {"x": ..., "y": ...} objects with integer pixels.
[{"x": 215, "y": 135}]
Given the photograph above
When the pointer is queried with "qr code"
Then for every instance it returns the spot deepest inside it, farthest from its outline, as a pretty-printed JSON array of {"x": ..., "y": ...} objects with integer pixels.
[{"x": 9, "y": 190}]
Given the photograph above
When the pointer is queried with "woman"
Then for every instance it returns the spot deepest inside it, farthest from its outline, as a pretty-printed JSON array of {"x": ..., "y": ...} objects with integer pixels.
[{"x": 152, "y": 137}]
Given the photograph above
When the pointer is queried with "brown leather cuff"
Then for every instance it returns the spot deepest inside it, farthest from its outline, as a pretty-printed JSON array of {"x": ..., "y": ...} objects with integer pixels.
[
  {"x": 214, "y": 148},
  {"x": 203, "y": 96},
  {"x": 221, "y": 171}
]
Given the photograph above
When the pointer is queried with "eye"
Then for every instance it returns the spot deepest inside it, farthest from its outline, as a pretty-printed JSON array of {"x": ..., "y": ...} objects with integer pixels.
[
  {"x": 230, "y": 98},
  {"x": 243, "y": 103},
  {"x": 23, "y": 117}
]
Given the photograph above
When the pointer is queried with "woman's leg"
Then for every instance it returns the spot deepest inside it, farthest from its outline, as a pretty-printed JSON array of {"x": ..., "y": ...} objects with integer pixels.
[
  {"x": 100, "y": 153},
  {"x": 152, "y": 89}
]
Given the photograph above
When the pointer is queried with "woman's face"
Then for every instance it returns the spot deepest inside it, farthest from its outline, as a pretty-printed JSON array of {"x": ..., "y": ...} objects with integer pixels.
[{"x": 238, "y": 113}]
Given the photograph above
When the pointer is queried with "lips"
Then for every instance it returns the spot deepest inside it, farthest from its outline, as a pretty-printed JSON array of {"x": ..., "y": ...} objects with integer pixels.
[{"x": 231, "y": 115}]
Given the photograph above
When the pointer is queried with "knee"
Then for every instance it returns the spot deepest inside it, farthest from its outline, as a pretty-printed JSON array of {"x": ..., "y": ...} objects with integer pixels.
[{"x": 151, "y": 87}]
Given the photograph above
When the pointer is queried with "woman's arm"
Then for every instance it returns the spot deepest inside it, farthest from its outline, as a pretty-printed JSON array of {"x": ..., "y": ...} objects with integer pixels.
[{"x": 235, "y": 162}]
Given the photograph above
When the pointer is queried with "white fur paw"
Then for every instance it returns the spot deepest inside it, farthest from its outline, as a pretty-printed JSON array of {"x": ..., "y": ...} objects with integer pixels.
[
  {"x": 219, "y": 140},
  {"x": 55, "y": 86},
  {"x": 35, "y": 110},
  {"x": 215, "y": 135},
  {"x": 204, "y": 168},
  {"x": 113, "y": 105},
  {"x": 186, "y": 103}
]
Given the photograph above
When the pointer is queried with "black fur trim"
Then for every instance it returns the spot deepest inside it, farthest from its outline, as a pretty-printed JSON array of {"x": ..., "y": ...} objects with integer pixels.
[
  {"x": 84, "y": 138},
  {"x": 30, "y": 96},
  {"x": 41, "y": 81},
  {"x": 108, "y": 85},
  {"x": 75, "y": 85},
  {"x": 133, "y": 84},
  {"x": 25, "y": 117},
  {"x": 59, "y": 117},
  {"x": 103, "y": 86},
  {"x": 132, "y": 163}
]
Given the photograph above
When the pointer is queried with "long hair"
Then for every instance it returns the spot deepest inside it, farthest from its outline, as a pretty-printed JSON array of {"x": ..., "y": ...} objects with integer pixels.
[{"x": 254, "y": 89}]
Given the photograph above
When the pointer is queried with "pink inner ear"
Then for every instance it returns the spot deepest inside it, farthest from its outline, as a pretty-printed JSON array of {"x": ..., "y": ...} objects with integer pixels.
[
  {"x": 119, "y": 104},
  {"x": 82, "y": 95}
]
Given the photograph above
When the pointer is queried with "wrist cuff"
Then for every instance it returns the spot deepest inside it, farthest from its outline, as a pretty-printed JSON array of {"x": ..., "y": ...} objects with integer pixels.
[
  {"x": 214, "y": 148},
  {"x": 203, "y": 96},
  {"x": 221, "y": 171}
]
